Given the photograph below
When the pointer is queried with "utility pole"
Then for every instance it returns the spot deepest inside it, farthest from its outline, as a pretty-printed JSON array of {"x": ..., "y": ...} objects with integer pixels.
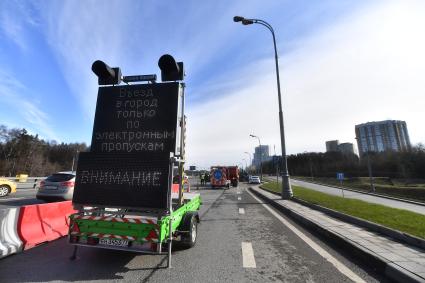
[
  {"x": 276, "y": 163},
  {"x": 261, "y": 156}
]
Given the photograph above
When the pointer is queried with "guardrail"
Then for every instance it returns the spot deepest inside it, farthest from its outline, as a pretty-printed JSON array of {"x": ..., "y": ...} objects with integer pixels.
[
  {"x": 31, "y": 182},
  {"x": 29, "y": 179}
]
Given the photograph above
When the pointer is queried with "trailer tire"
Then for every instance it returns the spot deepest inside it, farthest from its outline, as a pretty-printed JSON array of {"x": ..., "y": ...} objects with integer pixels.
[{"x": 190, "y": 224}]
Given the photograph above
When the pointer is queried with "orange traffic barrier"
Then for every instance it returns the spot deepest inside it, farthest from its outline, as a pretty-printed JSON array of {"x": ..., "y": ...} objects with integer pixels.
[
  {"x": 175, "y": 188},
  {"x": 45, "y": 222}
]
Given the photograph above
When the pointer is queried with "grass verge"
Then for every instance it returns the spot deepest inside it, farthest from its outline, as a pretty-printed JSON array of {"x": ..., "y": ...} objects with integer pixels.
[{"x": 398, "y": 219}]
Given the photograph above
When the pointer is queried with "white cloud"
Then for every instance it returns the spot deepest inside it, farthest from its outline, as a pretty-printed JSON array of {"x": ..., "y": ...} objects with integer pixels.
[
  {"x": 368, "y": 66},
  {"x": 14, "y": 94},
  {"x": 15, "y": 18},
  {"x": 134, "y": 35},
  {"x": 362, "y": 67}
]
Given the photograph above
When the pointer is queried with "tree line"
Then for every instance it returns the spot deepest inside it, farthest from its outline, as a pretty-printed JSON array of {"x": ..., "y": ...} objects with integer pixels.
[
  {"x": 406, "y": 165},
  {"x": 24, "y": 153}
]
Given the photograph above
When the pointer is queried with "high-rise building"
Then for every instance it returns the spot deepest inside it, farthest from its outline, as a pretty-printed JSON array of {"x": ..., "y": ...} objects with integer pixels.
[
  {"x": 382, "y": 136},
  {"x": 332, "y": 145},
  {"x": 346, "y": 148},
  {"x": 262, "y": 151}
]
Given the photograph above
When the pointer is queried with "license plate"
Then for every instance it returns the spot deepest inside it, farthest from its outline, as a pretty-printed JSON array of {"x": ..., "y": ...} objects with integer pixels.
[
  {"x": 113, "y": 242},
  {"x": 50, "y": 187}
]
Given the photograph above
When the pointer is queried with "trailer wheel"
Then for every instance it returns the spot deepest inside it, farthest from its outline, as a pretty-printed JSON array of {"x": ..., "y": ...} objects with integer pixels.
[{"x": 190, "y": 228}]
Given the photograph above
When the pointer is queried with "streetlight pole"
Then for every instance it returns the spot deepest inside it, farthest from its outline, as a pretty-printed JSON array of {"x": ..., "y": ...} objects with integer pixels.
[
  {"x": 276, "y": 163},
  {"x": 73, "y": 160},
  {"x": 286, "y": 184},
  {"x": 261, "y": 157},
  {"x": 310, "y": 163},
  {"x": 369, "y": 169},
  {"x": 369, "y": 164},
  {"x": 250, "y": 160}
]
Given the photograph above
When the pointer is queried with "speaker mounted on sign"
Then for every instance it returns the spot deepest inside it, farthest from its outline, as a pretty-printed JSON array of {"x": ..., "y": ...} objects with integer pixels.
[{"x": 170, "y": 69}]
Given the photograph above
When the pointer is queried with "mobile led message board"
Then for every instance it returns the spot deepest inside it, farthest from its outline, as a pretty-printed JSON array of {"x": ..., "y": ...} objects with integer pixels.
[
  {"x": 137, "y": 128},
  {"x": 123, "y": 185},
  {"x": 135, "y": 180}
]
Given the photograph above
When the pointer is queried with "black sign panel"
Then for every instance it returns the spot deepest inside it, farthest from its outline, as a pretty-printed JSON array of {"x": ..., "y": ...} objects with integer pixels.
[
  {"x": 137, "y": 180},
  {"x": 136, "y": 118}
]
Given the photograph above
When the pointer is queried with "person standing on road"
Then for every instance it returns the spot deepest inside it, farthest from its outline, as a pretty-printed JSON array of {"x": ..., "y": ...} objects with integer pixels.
[{"x": 201, "y": 176}]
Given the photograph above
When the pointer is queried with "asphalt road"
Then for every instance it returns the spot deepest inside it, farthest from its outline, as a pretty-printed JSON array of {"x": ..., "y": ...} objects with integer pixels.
[
  {"x": 277, "y": 254},
  {"x": 365, "y": 197},
  {"x": 23, "y": 196}
]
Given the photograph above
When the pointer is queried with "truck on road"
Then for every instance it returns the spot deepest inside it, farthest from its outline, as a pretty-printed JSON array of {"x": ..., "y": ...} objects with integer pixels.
[
  {"x": 218, "y": 177},
  {"x": 233, "y": 175},
  {"x": 224, "y": 176}
]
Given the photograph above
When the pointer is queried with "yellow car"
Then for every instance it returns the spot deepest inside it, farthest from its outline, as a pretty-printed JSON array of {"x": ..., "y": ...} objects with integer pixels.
[{"x": 7, "y": 187}]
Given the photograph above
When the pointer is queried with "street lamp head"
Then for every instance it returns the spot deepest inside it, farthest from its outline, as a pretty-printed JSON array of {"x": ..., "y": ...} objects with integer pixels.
[
  {"x": 238, "y": 19},
  {"x": 252, "y": 136}
]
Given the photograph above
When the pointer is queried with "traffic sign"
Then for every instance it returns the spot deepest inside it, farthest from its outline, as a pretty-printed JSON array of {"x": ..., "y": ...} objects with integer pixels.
[
  {"x": 340, "y": 176},
  {"x": 217, "y": 174}
]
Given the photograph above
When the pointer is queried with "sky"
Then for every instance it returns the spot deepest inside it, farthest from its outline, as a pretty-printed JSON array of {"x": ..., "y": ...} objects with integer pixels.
[{"x": 341, "y": 63}]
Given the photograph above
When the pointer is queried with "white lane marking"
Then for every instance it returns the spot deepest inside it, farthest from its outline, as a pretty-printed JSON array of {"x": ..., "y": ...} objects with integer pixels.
[
  {"x": 239, "y": 198},
  {"x": 248, "y": 259},
  {"x": 238, "y": 192},
  {"x": 241, "y": 210},
  {"x": 338, "y": 265}
]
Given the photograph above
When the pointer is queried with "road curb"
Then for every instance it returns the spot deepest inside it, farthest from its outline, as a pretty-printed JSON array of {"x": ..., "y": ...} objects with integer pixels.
[
  {"x": 363, "y": 192},
  {"x": 373, "y": 260},
  {"x": 395, "y": 234}
]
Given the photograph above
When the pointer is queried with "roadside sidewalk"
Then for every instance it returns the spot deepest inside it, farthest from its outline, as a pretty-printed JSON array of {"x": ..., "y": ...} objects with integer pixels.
[
  {"x": 398, "y": 261},
  {"x": 345, "y": 188}
]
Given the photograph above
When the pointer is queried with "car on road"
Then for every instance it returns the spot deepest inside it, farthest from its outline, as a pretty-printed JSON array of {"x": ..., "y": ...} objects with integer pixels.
[
  {"x": 254, "y": 180},
  {"x": 7, "y": 187},
  {"x": 58, "y": 186}
]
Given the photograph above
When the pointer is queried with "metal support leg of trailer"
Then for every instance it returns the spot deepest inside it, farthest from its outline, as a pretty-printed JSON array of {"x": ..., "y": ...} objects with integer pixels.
[
  {"x": 74, "y": 253},
  {"x": 170, "y": 242}
]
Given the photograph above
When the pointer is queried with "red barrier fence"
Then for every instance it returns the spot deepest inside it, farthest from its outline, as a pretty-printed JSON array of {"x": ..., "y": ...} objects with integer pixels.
[
  {"x": 41, "y": 223},
  {"x": 175, "y": 188}
]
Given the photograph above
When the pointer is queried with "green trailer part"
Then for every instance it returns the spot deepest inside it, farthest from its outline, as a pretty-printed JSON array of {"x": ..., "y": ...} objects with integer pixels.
[{"x": 139, "y": 232}]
